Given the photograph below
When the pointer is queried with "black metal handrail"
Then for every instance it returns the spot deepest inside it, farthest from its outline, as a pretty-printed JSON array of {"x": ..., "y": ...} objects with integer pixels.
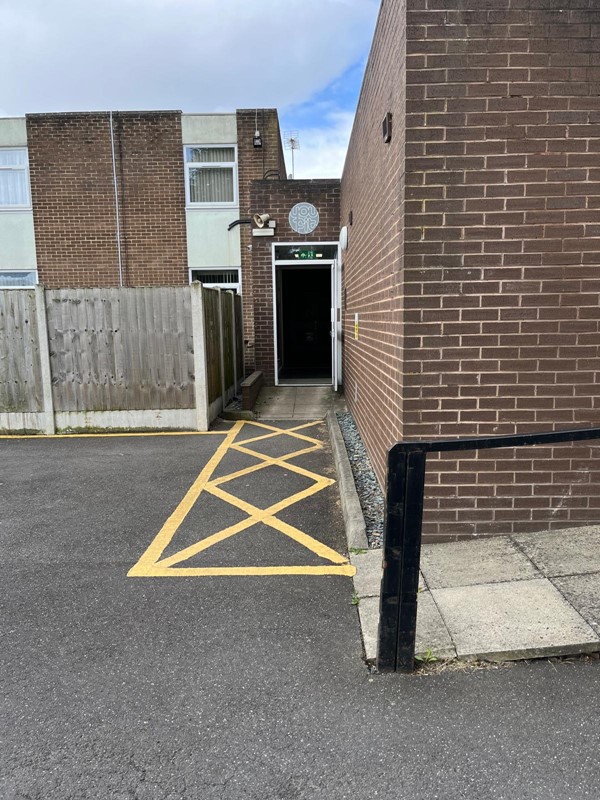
[{"x": 403, "y": 530}]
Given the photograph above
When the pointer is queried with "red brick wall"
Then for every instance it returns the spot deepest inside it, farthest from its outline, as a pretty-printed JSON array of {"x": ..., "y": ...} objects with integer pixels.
[
  {"x": 254, "y": 163},
  {"x": 500, "y": 283},
  {"x": 74, "y": 204},
  {"x": 277, "y": 198},
  {"x": 373, "y": 196}
]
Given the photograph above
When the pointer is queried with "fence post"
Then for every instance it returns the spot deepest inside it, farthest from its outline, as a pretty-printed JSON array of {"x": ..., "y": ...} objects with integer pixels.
[
  {"x": 401, "y": 560},
  {"x": 234, "y": 344},
  {"x": 44, "y": 350},
  {"x": 222, "y": 350},
  {"x": 200, "y": 373}
]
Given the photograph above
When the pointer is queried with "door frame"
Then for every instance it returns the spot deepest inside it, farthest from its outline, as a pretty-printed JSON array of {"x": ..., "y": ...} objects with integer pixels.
[{"x": 334, "y": 266}]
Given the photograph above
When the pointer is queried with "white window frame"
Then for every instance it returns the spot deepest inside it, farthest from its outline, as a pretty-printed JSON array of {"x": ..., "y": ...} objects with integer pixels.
[
  {"x": 25, "y": 167},
  {"x": 236, "y": 287},
  {"x": 233, "y": 165},
  {"x": 19, "y": 269}
]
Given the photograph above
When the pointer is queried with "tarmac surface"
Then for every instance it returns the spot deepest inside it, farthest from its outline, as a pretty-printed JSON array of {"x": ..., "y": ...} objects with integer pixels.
[{"x": 120, "y": 682}]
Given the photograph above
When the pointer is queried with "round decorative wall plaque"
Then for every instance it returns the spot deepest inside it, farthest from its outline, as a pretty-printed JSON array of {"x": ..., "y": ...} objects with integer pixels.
[{"x": 303, "y": 218}]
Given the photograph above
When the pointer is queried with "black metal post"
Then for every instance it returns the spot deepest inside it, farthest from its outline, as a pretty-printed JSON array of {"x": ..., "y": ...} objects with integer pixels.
[
  {"x": 393, "y": 533},
  {"x": 411, "y": 560},
  {"x": 402, "y": 553},
  {"x": 403, "y": 529}
]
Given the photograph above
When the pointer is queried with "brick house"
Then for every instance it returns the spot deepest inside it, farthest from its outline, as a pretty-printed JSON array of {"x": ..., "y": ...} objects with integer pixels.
[
  {"x": 151, "y": 198},
  {"x": 472, "y": 262}
]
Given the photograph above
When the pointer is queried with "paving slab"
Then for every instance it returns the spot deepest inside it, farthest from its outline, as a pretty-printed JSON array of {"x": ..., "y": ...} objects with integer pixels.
[
  {"x": 467, "y": 563},
  {"x": 367, "y": 581},
  {"x": 369, "y": 571},
  {"x": 368, "y": 611},
  {"x": 432, "y": 635},
  {"x": 572, "y": 551},
  {"x": 583, "y": 592},
  {"x": 517, "y": 619}
]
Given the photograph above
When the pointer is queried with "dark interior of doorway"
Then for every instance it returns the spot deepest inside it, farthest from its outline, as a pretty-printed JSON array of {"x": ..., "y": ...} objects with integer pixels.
[{"x": 305, "y": 323}]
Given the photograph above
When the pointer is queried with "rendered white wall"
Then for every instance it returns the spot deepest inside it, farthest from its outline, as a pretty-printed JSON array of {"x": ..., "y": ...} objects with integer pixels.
[
  {"x": 209, "y": 242},
  {"x": 209, "y": 128},
  {"x": 13, "y": 132},
  {"x": 17, "y": 240}
]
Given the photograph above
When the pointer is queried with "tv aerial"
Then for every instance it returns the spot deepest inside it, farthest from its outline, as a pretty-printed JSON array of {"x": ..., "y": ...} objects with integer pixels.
[{"x": 291, "y": 141}]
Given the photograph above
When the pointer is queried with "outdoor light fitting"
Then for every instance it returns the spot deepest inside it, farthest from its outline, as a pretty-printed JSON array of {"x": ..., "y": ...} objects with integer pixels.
[{"x": 257, "y": 141}]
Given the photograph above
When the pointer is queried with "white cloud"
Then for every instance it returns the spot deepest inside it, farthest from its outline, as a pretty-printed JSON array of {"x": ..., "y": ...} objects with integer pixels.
[
  {"x": 323, "y": 148},
  {"x": 197, "y": 55}
]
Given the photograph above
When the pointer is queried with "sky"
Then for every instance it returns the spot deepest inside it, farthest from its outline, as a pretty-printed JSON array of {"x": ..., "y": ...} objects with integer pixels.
[{"x": 303, "y": 57}]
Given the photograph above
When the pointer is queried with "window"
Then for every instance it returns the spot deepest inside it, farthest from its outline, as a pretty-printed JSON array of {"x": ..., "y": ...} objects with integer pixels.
[
  {"x": 17, "y": 278},
  {"x": 221, "y": 278},
  {"x": 211, "y": 175},
  {"x": 14, "y": 178}
]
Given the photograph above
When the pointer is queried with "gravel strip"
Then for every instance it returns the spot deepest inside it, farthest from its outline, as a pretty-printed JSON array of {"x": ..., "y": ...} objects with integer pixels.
[{"x": 367, "y": 487}]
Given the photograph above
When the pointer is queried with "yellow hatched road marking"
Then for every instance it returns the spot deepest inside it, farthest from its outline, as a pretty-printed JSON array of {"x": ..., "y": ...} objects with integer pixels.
[
  {"x": 166, "y": 533},
  {"x": 207, "y": 572},
  {"x": 281, "y": 432},
  {"x": 151, "y": 564},
  {"x": 255, "y": 467}
]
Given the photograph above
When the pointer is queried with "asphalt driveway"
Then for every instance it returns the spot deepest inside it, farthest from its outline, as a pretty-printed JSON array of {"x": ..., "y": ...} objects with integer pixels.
[{"x": 124, "y": 676}]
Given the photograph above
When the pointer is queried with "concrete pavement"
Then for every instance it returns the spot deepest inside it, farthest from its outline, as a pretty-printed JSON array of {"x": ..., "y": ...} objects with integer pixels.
[{"x": 501, "y": 598}]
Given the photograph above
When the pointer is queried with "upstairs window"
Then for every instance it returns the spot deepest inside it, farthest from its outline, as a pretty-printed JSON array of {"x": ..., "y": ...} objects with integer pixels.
[
  {"x": 211, "y": 175},
  {"x": 14, "y": 178}
]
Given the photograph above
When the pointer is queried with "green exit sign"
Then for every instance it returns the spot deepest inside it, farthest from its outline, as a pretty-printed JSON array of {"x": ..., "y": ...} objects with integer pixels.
[{"x": 307, "y": 254}]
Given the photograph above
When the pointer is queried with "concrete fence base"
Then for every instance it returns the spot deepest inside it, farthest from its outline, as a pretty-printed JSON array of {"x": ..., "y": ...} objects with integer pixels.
[{"x": 123, "y": 359}]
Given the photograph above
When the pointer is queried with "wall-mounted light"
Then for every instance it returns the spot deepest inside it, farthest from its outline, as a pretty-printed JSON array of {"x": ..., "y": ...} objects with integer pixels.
[{"x": 257, "y": 140}]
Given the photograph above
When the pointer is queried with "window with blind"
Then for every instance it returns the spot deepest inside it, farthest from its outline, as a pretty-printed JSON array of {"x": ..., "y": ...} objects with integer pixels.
[
  {"x": 14, "y": 178},
  {"x": 211, "y": 175}
]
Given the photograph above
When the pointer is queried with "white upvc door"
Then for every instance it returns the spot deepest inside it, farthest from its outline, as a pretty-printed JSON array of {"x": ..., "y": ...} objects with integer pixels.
[{"x": 336, "y": 323}]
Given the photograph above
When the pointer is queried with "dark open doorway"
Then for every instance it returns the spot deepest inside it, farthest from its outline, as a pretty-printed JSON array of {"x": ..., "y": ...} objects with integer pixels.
[{"x": 304, "y": 323}]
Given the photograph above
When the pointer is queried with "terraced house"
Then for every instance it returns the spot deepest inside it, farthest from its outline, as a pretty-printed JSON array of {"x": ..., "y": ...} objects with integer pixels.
[{"x": 165, "y": 198}]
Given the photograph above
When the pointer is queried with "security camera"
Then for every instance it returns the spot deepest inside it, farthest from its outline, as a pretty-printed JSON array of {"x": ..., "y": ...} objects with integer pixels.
[{"x": 260, "y": 220}]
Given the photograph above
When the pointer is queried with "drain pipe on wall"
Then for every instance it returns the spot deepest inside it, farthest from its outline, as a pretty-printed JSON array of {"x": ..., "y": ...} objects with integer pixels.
[{"x": 117, "y": 214}]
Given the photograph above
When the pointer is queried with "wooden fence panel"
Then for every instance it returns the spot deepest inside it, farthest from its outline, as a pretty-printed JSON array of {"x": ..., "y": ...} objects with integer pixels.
[
  {"x": 20, "y": 370},
  {"x": 213, "y": 352},
  {"x": 239, "y": 337},
  {"x": 228, "y": 340},
  {"x": 121, "y": 349}
]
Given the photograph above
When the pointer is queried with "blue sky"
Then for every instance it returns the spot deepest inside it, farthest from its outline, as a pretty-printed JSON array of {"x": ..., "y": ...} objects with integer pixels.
[
  {"x": 304, "y": 57},
  {"x": 324, "y": 122}
]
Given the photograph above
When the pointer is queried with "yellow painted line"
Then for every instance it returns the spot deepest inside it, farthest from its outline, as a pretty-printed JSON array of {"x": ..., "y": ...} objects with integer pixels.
[
  {"x": 307, "y": 541},
  {"x": 152, "y": 565},
  {"x": 267, "y": 461},
  {"x": 282, "y": 432},
  {"x": 260, "y": 513},
  {"x": 206, "y": 572},
  {"x": 279, "y": 462},
  {"x": 204, "y": 544},
  {"x": 166, "y": 533},
  {"x": 43, "y": 437},
  {"x": 256, "y": 515}
]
